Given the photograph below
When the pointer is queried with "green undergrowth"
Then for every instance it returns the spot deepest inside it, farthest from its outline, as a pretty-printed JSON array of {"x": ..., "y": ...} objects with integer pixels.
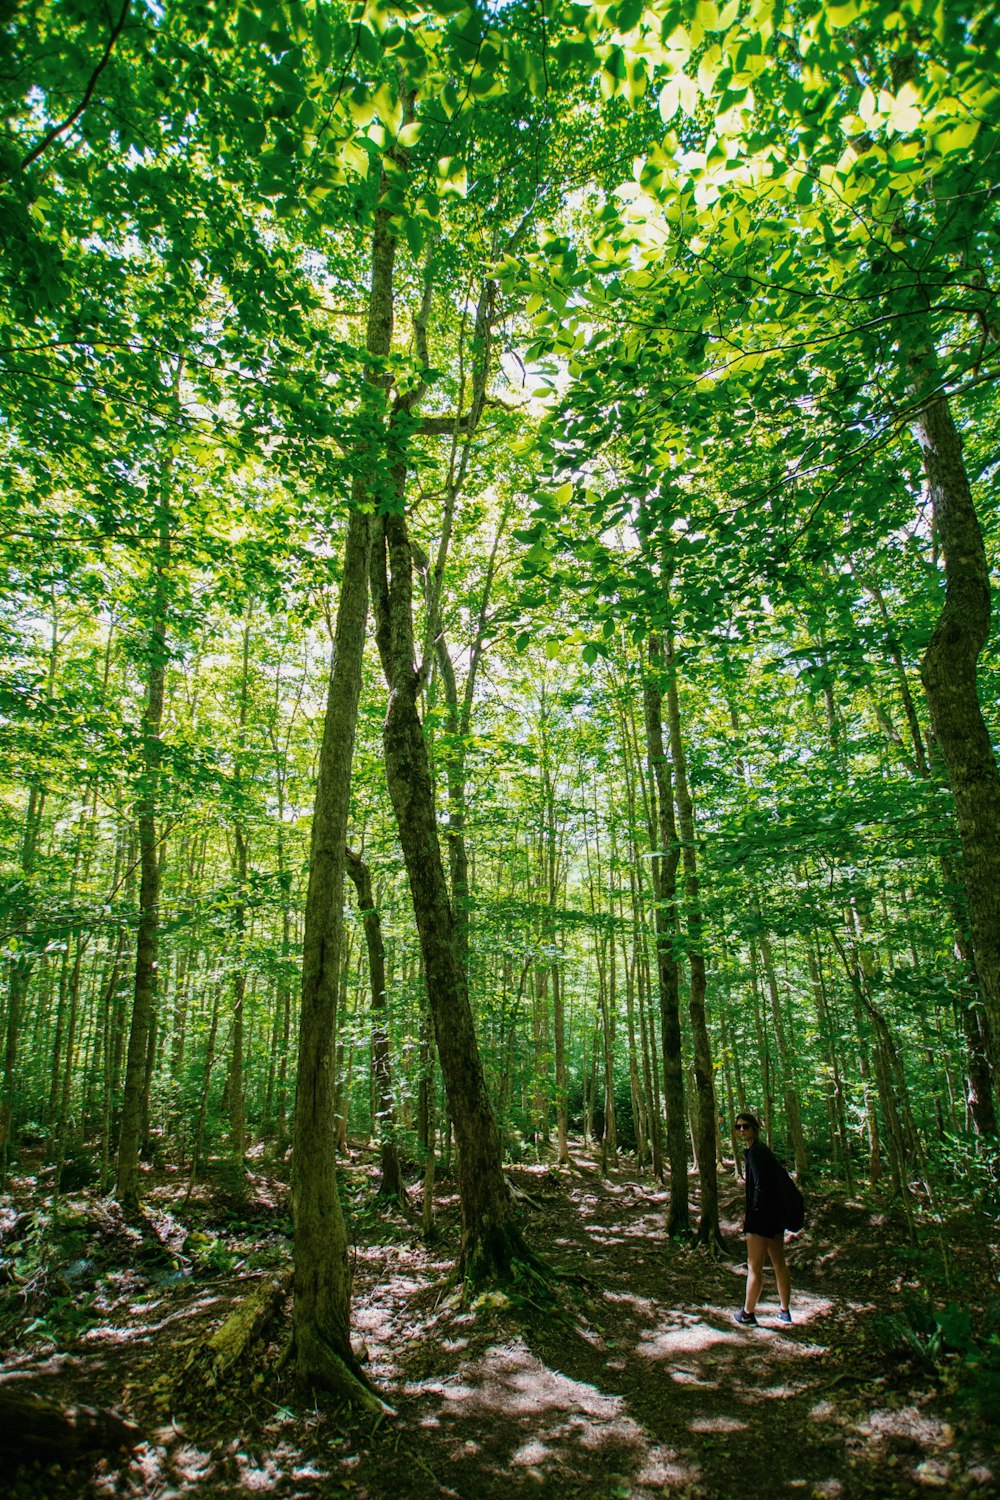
[{"x": 957, "y": 1345}]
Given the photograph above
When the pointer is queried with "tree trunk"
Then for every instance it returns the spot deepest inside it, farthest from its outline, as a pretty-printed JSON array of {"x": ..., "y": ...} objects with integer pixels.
[
  {"x": 785, "y": 1062},
  {"x": 665, "y": 861},
  {"x": 949, "y": 670},
  {"x": 391, "y": 1185},
  {"x": 704, "y": 1070},
  {"x": 135, "y": 1102},
  {"x": 321, "y": 1307},
  {"x": 491, "y": 1241}
]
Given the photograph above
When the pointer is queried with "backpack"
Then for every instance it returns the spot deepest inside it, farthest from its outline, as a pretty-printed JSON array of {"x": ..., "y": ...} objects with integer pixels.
[{"x": 793, "y": 1206}]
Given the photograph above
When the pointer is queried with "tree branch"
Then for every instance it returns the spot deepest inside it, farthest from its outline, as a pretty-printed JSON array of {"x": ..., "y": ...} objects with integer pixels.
[{"x": 58, "y": 130}]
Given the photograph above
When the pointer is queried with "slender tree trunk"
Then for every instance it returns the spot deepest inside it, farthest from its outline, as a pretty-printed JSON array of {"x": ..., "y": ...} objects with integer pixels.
[
  {"x": 428, "y": 1118},
  {"x": 836, "y": 1087},
  {"x": 704, "y": 1068},
  {"x": 135, "y": 1101},
  {"x": 665, "y": 861},
  {"x": 763, "y": 1045},
  {"x": 785, "y": 1061},
  {"x": 391, "y": 1185},
  {"x": 237, "y": 1102}
]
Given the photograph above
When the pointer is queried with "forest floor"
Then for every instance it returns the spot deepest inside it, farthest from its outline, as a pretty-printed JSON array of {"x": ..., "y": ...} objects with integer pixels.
[{"x": 639, "y": 1384}]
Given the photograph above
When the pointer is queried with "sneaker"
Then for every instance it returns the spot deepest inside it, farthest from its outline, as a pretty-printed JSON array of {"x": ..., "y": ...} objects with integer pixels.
[
  {"x": 784, "y": 1316},
  {"x": 744, "y": 1319}
]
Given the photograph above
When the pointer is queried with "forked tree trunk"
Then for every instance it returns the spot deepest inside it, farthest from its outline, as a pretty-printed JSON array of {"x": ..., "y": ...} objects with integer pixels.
[{"x": 321, "y": 1308}]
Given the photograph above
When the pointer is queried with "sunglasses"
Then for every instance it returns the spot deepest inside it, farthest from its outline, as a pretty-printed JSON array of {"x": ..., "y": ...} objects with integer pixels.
[{"x": 743, "y": 1127}]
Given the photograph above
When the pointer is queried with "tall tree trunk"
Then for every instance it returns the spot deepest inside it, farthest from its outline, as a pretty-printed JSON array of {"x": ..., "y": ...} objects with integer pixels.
[
  {"x": 237, "y": 1100},
  {"x": 321, "y": 1308},
  {"x": 491, "y": 1240},
  {"x": 391, "y": 1185},
  {"x": 665, "y": 861},
  {"x": 785, "y": 1062},
  {"x": 704, "y": 1067},
  {"x": 975, "y": 1026},
  {"x": 949, "y": 674},
  {"x": 134, "y": 1103}
]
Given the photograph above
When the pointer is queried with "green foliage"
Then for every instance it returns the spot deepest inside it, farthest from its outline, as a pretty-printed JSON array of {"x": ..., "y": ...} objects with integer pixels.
[
  {"x": 208, "y": 1255},
  {"x": 718, "y": 235},
  {"x": 961, "y": 1347}
]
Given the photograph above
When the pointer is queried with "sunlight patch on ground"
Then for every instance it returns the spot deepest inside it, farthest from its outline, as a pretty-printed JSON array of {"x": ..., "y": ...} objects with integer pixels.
[
  {"x": 258, "y": 1480},
  {"x": 558, "y": 1419},
  {"x": 663, "y": 1468},
  {"x": 142, "y": 1332},
  {"x": 530, "y": 1453},
  {"x": 25, "y": 1367},
  {"x": 682, "y": 1376},
  {"x": 907, "y": 1425},
  {"x": 776, "y": 1392},
  {"x": 688, "y": 1337},
  {"x": 644, "y": 1305},
  {"x": 510, "y": 1379},
  {"x": 717, "y": 1424}
]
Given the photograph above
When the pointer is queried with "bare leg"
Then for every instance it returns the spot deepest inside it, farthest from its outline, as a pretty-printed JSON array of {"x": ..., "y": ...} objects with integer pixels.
[
  {"x": 776, "y": 1250},
  {"x": 756, "y": 1245}
]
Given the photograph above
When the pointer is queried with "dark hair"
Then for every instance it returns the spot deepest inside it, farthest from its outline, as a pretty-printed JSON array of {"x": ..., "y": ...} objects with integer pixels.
[{"x": 746, "y": 1118}]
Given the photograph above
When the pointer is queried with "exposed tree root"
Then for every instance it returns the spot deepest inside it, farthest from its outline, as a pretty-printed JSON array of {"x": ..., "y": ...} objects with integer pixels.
[
  {"x": 504, "y": 1260},
  {"x": 320, "y": 1366},
  {"x": 712, "y": 1243}
]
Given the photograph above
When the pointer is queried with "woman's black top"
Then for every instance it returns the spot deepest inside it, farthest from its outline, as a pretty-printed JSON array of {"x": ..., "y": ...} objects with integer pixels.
[{"x": 765, "y": 1214}]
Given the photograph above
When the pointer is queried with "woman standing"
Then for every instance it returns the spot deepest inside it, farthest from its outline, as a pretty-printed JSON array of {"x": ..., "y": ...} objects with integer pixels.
[{"x": 764, "y": 1224}]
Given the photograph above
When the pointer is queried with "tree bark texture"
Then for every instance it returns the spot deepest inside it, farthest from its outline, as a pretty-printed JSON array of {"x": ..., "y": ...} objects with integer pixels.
[
  {"x": 949, "y": 673},
  {"x": 491, "y": 1241}
]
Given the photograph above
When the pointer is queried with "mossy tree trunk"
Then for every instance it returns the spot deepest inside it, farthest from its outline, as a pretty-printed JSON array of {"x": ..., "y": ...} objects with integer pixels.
[{"x": 491, "y": 1241}]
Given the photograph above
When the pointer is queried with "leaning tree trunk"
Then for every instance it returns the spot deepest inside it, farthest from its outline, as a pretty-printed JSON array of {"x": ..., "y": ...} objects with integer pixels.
[
  {"x": 491, "y": 1240},
  {"x": 979, "y": 1072},
  {"x": 321, "y": 1308},
  {"x": 948, "y": 671}
]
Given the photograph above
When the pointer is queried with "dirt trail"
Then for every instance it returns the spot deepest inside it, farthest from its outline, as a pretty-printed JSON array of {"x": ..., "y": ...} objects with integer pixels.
[{"x": 642, "y": 1387}]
